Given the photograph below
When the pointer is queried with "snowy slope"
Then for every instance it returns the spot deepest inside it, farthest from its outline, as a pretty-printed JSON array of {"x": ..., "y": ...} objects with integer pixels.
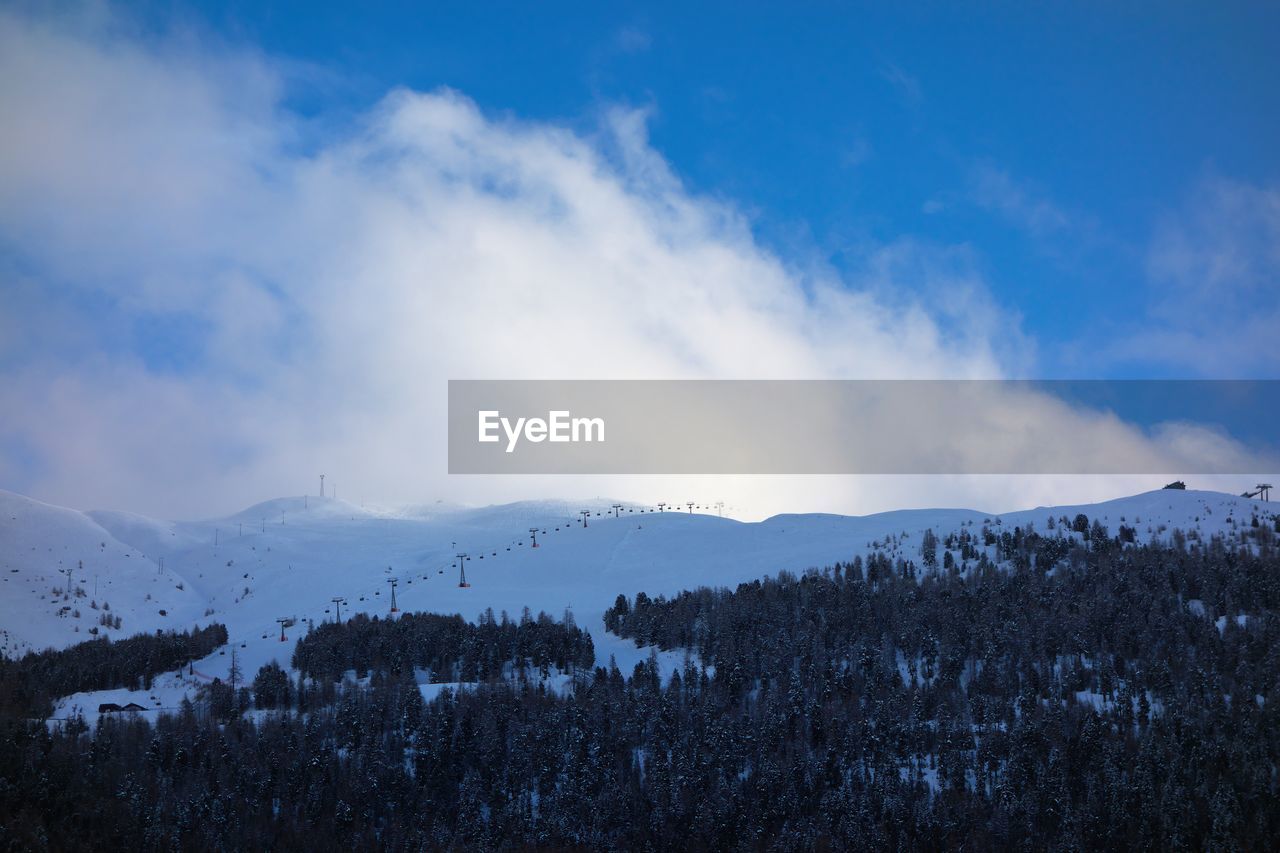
[
  {"x": 288, "y": 558},
  {"x": 39, "y": 543}
]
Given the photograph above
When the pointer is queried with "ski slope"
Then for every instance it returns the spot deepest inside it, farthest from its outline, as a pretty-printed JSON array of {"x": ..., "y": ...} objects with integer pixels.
[
  {"x": 41, "y": 606},
  {"x": 288, "y": 558}
]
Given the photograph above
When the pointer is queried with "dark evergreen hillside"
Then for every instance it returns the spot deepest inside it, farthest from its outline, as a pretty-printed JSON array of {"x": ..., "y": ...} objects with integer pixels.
[
  {"x": 1084, "y": 699},
  {"x": 30, "y": 683},
  {"x": 1126, "y": 625},
  {"x": 451, "y": 648}
]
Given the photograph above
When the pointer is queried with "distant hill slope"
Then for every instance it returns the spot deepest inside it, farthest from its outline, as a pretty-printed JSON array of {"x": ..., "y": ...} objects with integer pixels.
[
  {"x": 39, "y": 543},
  {"x": 288, "y": 558}
]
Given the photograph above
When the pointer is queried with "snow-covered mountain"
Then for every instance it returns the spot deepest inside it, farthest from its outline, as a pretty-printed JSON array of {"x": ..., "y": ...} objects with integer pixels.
[
  {"x": 289, "y": 557},
  {"x": 64, "y": 576}
]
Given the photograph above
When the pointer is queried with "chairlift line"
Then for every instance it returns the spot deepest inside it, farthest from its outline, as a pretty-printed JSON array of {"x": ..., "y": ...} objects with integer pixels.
[{"x": 1259, "y": 491}]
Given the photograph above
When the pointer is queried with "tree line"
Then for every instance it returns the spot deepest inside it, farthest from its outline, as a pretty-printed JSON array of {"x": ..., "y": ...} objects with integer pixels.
[
  {"x": 448, "y": 647},
  {"x": 28, "y": 685}
]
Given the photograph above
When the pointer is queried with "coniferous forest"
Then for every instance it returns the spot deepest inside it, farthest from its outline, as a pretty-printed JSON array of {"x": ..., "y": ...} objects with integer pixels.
[
  {"x": 1081, "y": 695},
  {"x": 30, "y": 683}
]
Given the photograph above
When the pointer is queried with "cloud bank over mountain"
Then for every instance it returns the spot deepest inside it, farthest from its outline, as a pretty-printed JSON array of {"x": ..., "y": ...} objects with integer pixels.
[{"x": 210, "y": 296}]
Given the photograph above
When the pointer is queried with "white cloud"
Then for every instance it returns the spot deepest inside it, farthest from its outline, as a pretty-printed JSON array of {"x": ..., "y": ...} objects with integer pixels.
[
  {"x": 633, "y": 40},
  {"x": 341, "y": 281},
  {"x": 857, "y": 152},
  {"x": 907, "y": 86},
  {"x": 1214, "y": 269},
  {"x": 996, "y": 190}
]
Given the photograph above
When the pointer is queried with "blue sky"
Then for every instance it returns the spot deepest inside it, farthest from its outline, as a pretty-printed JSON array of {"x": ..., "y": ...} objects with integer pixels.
[
  {"x": 1053, "y": 142},
  {"x": 244, "y": 242}
]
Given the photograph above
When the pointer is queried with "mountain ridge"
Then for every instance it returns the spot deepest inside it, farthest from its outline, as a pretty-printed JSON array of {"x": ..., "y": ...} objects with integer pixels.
[{"x": 248, "y": 572}]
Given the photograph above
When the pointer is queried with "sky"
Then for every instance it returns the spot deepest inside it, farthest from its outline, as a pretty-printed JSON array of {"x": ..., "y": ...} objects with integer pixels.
[{"x": 241, "y": 243}]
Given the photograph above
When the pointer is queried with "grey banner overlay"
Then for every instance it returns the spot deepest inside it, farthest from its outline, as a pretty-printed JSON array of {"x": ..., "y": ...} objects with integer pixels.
[{"x": 696, "y": 427}]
